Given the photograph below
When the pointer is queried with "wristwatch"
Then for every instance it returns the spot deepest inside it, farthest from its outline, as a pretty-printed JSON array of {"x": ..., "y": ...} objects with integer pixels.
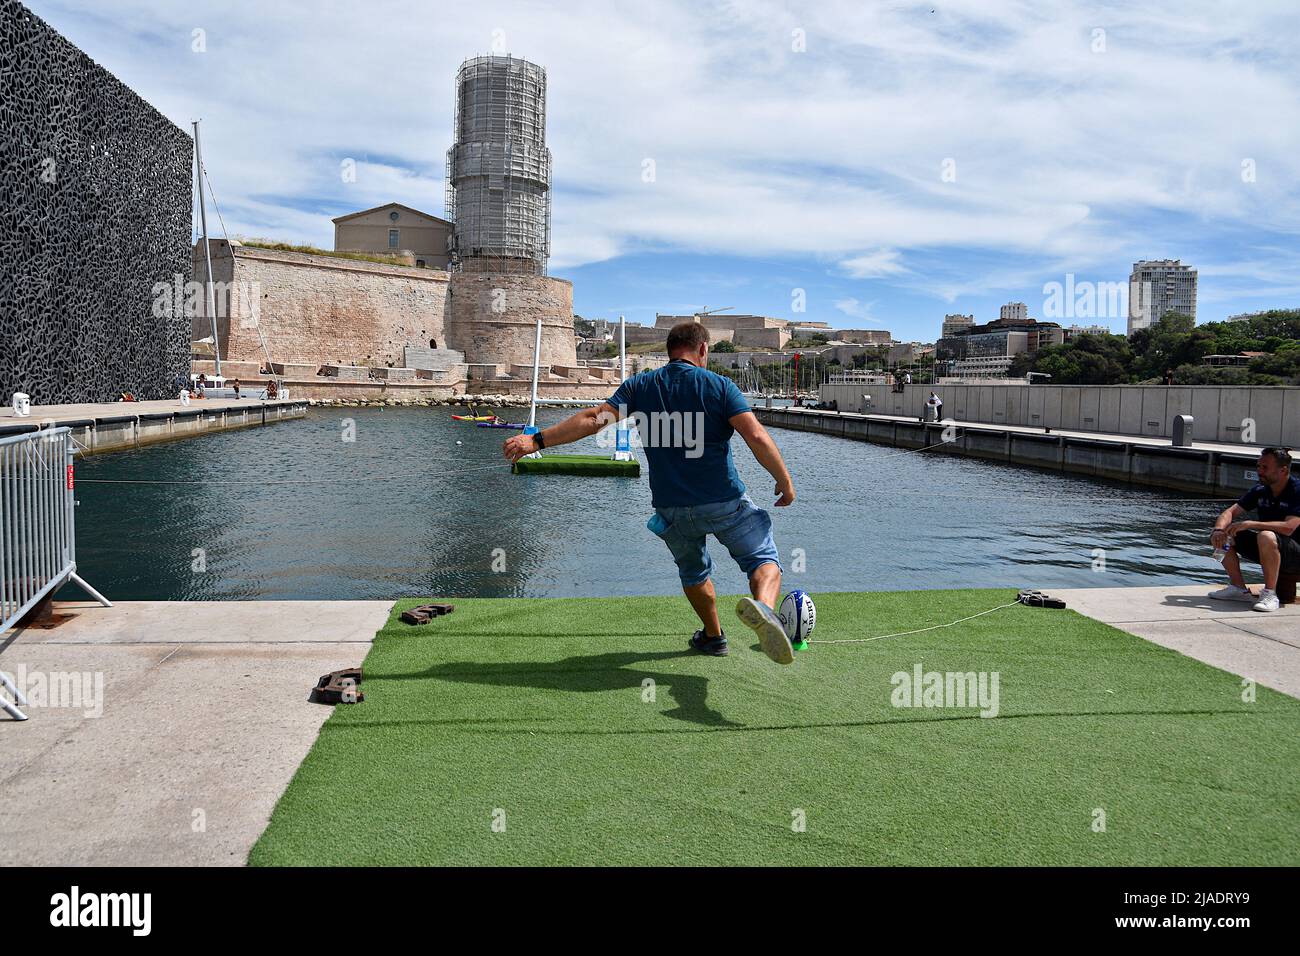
[{"x": 537, "y": 437}]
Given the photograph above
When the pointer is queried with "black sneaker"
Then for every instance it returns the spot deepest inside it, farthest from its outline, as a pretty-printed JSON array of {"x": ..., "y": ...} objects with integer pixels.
[{"x": 713, "y": 646}]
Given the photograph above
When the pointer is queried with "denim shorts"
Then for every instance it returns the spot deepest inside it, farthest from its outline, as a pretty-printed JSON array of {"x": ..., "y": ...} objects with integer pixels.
[{"x": 743, "y": 528}]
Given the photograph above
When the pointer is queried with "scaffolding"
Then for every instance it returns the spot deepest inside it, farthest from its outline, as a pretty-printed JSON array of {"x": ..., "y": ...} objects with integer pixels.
[{"x": 499, "y": 169}]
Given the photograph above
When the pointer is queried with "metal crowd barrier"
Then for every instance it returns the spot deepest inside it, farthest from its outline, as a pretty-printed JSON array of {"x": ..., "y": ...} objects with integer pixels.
[{"x": 38, "y": 544}]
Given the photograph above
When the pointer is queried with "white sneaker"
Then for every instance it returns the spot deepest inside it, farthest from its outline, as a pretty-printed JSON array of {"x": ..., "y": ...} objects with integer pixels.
[
  {"x": 771, "y": 635},
  {"x": 1232, "y": 593},
  {"x": 1268, "y": 601}
]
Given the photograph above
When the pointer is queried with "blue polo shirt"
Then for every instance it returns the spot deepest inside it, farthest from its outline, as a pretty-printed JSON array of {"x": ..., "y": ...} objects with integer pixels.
[
  {"x": 683, "y": 415},
  {"x": 1273, "y": 507}
]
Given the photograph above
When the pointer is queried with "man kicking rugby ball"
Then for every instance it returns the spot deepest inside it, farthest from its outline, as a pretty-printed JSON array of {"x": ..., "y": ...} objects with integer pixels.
[{"x": 686, "y": 416}]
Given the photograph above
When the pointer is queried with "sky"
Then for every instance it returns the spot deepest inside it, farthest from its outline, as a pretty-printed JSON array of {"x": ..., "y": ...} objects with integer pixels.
[{"x": 868, "y": 165}]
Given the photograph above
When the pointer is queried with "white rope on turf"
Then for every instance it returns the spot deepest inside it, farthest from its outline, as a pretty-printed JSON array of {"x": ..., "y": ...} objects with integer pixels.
[{"x": 920, "y": 630}]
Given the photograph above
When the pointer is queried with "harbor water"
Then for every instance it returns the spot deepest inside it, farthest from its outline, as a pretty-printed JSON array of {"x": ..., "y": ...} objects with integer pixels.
[{"x": 353, "y": 503}]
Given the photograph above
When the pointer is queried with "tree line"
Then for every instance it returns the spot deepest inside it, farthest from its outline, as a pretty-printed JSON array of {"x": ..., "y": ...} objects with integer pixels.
[{"x": 1176, "y": 347}]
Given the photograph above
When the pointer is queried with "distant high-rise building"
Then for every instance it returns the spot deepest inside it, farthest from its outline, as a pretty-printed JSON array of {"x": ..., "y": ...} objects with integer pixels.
[
  {"x": 951, "y": 323},
  {"x": 1015, "y": 311},
  {"x": 1159, "y": 286}
]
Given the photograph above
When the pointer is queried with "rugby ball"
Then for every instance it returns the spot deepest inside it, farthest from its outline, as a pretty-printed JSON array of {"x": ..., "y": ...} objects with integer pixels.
[{"x": 798, "y": 616}]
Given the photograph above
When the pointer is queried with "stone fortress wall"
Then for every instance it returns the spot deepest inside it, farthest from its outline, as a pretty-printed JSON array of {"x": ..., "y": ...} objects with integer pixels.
[
  {"x": 492, "y": 318},
  {"x": 318, "y": 309},
  {"x": 336, "y": 326}
]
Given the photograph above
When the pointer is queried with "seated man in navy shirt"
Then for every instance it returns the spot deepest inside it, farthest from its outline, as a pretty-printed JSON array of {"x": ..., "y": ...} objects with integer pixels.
[
  {"x": 686, "y": 416},
  {"x": 1271, "y": 541}
]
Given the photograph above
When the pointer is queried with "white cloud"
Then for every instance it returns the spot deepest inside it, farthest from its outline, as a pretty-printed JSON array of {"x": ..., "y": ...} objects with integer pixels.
[
  {"x": 855, "y": 309},
  {"x": 873, "y": 265},
  {"x": 1061, "y": 155}
]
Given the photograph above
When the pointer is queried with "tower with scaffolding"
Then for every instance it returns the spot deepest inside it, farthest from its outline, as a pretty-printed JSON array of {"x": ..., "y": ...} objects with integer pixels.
[{"x": 499, "y": 169}]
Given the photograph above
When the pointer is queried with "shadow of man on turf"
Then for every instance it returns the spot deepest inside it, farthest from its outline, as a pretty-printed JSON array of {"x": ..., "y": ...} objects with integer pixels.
[{"x": 586, "y": 674}]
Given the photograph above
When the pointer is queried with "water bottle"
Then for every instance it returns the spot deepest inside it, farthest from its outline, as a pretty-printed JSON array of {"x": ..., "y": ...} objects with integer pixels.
[{"x": 1222, "y": 552}]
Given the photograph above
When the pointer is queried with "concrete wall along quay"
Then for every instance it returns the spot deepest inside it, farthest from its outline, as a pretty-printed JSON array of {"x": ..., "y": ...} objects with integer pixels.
[
  {"x": 1221, "y": 413},
  {"x": 115, "y": 426},
  {"x": 1142, "y": 461}
]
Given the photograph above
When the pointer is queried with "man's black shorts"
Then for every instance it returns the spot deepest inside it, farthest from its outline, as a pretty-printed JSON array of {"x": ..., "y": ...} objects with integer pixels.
[{"x": 1247, "y": 545}]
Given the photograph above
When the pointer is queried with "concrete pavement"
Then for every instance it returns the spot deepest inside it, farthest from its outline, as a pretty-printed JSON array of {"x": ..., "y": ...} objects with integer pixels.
[
  {"x": 1227, "y": 635},
  {"x": 180, "y": 725}
]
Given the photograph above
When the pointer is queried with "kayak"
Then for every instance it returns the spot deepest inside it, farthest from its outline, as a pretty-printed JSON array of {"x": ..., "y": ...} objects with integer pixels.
[
  {"x": 474, "y": 418},
  {"x": 514, "y": 425}
]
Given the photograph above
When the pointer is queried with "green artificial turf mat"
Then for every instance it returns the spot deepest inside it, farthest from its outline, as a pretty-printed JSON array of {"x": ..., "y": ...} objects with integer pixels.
[
  {"x": 588, "y": 465},
  {"x": 539, "y": 714}
]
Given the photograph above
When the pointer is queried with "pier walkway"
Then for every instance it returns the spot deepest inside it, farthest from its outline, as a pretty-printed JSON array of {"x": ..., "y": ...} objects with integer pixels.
[
  {"x": 1212, "y": 468},
  {"x": 113, "y": 426},
  {"x": 204, "y": 716},
  {"x": 201, "y": 719}
]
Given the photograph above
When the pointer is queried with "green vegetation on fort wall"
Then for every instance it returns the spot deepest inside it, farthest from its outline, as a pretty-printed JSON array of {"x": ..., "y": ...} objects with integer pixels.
[{"x": 313, "y": 251}]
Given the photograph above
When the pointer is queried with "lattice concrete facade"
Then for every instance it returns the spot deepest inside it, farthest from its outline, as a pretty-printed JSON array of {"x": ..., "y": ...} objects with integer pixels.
[{"x": 94, "y": 214}]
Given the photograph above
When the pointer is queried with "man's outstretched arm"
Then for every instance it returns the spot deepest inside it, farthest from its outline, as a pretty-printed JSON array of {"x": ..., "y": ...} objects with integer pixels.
[
  {"x": 768, "y": 455},
  {"x": 574, "y": 428}
]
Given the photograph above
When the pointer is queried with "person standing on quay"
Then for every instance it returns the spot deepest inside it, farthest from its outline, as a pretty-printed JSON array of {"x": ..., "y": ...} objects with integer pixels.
[{"x": 694, "y": 487}]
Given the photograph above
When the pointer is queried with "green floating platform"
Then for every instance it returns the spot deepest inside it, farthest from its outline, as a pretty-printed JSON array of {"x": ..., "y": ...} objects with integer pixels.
[{"x": 590, "y": 465}]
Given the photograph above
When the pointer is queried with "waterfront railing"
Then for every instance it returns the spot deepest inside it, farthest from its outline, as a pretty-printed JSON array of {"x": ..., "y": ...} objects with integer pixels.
[{"x": 38, "y": 543}]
